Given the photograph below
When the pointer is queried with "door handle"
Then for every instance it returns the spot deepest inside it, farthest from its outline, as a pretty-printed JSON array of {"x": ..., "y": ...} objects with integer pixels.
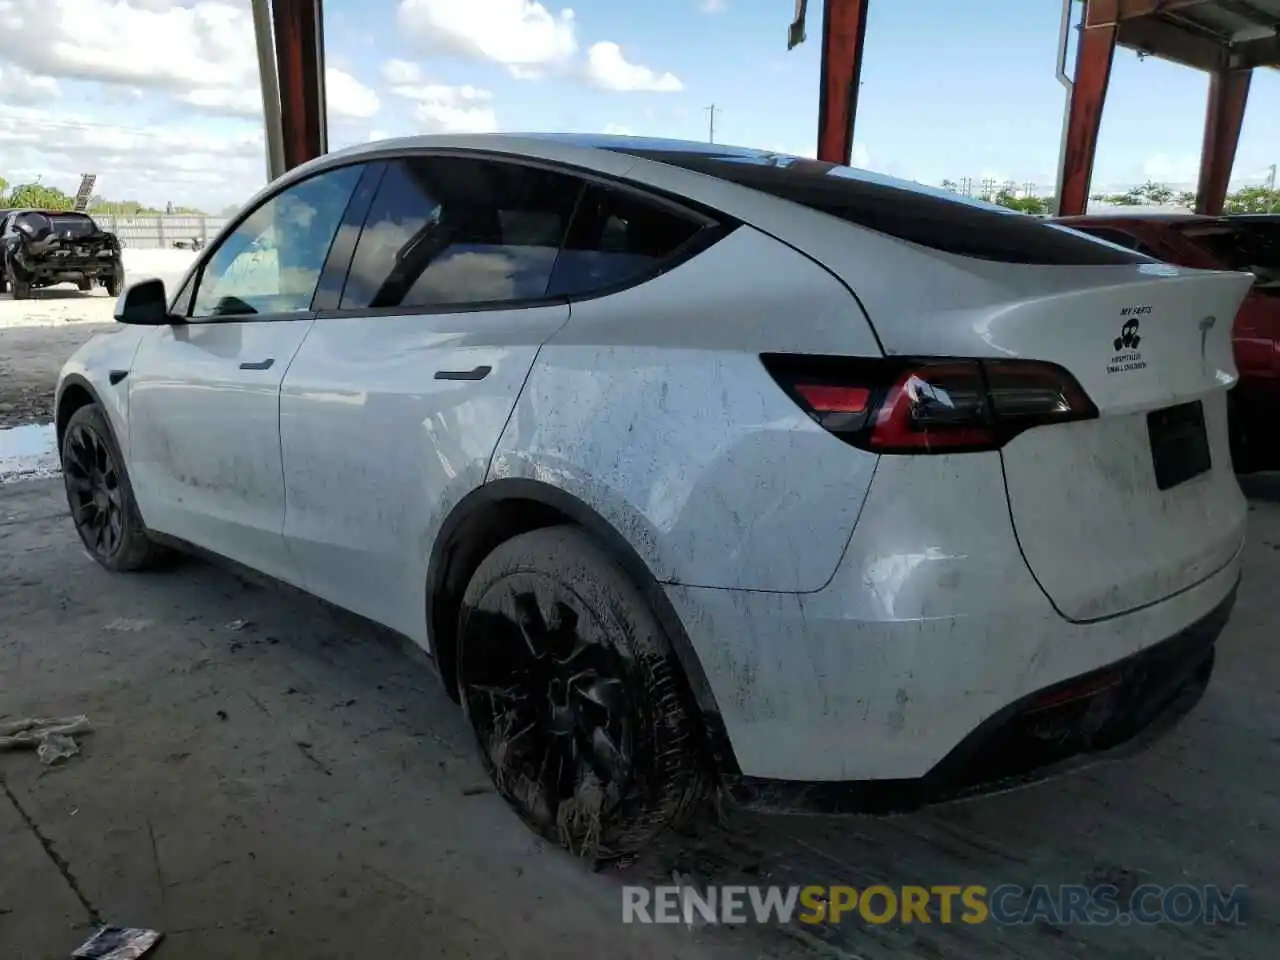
[
  {"x": 258, "y": 365},
  {"x": 479, "y": 373}
]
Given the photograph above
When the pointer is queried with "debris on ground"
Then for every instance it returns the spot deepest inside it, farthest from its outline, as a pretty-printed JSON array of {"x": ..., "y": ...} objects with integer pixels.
[
  {"x": 117, "y": 943},
  {"x": 53, "y": 738},
  {"x": 237, "y": 625}
]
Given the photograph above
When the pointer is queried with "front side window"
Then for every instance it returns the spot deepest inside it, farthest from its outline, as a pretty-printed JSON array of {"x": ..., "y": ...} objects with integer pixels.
[
  {"x": 616, "y": 237},
  {"x": 271, "y": 262},
  {"x": 445, "y": 231}
]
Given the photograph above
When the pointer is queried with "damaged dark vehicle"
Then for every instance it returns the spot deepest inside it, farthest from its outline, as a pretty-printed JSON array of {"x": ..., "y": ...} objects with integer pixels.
[{"x": 45, "y": 247}]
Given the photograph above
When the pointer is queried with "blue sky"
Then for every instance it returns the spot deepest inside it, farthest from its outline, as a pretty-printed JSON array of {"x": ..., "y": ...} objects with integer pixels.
[{"x": 160, "y": 95}]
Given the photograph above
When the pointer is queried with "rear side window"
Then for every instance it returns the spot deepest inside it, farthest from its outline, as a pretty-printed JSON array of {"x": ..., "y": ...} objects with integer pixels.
[
  {"x": 1241, "y": 245},
  {"x": 1119, "y": 237},
  {"x": 454, "y": 231},
  {"x": 930, "y": 218},
  {"x": 617, "y": 237}
]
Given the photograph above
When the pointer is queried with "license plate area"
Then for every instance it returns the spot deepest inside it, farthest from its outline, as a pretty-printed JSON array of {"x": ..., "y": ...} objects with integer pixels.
[{"x": 1179, "y": 444}]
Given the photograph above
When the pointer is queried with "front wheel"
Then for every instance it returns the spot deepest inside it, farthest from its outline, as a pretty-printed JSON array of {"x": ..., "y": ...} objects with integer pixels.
[
  {"x": 100, "y": 496},
  {"x": 575, "y": 696},
  {"x": 115, "y": 281}
]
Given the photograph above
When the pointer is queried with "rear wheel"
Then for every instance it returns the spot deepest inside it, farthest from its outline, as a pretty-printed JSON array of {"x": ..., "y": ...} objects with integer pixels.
[
  {"x": 115, "y": 281},
  {"x": 21, "y": 289},
  {"x": 100, "y": 497},
  {"x": 85, "y": 284},
  {"x": 575, "y": 696}
]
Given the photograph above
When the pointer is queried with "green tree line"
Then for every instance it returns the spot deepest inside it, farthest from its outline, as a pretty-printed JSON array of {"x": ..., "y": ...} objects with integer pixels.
[
  {"x": 1244, "y": 200},
  {"x": 45, "y": 197}
]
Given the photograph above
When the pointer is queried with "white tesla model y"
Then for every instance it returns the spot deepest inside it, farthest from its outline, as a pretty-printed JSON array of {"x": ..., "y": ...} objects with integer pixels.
[{"x": 693, "y": 467}]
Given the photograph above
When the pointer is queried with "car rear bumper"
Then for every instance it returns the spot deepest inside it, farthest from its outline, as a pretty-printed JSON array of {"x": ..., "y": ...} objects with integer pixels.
[
  {"x": 1099, "y": 715},
  {"x": 931, "y": 630}
]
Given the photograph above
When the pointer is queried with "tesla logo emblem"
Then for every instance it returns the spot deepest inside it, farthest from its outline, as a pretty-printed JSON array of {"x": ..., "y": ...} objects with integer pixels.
[
  {"x": 1205, "y": 326},
  {"x": 1128, "y": 339}
]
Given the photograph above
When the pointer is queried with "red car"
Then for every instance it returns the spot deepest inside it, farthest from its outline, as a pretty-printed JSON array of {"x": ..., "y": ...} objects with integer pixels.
[{"x": 1249, "y": 242}]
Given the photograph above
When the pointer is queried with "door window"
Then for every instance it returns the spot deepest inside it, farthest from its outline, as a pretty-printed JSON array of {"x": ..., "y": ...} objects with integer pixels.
[
  {"x": 616, "y": 237},
  {"x": 447, "y": 231},
  {"x": 271, "y": 262}
]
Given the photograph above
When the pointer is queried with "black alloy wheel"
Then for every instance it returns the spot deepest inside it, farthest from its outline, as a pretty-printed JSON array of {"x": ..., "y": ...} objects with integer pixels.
[
  {"x": 100, "y": 496},
  {"x": 548, "y": 703},
  {"x": 575, "y": 698},
  {"x": 94, "y": 490}
]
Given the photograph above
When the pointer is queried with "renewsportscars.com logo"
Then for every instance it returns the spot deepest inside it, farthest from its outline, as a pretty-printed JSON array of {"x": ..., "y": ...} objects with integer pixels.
[{"x": 1099, "y": 905}]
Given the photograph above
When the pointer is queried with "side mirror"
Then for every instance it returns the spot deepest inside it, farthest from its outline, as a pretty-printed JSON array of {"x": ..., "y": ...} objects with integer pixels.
[{"x": 144, "y": 304}]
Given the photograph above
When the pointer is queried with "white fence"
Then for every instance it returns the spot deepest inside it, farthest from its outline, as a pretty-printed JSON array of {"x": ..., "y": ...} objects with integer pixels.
[{"x": 160, "y": 232}]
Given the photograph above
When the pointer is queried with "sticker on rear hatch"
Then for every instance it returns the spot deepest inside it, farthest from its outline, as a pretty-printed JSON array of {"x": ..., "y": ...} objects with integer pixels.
[{"x": 1126, "y": 356}]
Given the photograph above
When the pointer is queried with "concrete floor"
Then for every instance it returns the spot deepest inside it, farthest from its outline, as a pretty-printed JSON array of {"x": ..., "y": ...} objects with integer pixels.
[{"x": 301, "y": 787}]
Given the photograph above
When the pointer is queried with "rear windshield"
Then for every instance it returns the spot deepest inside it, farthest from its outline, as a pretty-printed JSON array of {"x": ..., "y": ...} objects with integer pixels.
[
  {"x": 75, "y": 224},
  {"x": 72, "y": 226},
  {"x": 1241, "y": 245},
  {"x": 931, "y": 218}
]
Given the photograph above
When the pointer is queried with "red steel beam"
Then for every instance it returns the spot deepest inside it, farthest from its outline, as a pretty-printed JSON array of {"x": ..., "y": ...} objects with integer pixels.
[
  {"x": 1094, "y": 55},
  {"x": 299, "y": 43},
  {"x": 1228, "y": 95},
  {"x": 844, "y": 30}
]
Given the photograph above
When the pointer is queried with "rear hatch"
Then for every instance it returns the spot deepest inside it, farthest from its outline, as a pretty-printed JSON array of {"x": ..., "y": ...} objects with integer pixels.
[
  {"x": 1120, "y": 511},
  {"x": 1113, "y": 512}
]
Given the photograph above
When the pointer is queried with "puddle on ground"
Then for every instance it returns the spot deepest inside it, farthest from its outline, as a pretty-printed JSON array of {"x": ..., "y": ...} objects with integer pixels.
[{"x": 27, "y": 453}]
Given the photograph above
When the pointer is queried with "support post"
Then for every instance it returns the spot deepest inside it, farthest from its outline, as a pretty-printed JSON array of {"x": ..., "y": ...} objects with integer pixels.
[
  {"x": 269, "y": 80},
  {"x": 1094, "y": 54},
  {"x": 844, "y": 30},
  {"x": 1228, "y": 96},
  {"x": 299, "y": 45}
]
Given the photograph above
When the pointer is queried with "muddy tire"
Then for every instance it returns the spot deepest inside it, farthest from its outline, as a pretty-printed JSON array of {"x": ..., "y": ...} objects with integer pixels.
[
  {"x": 101, "y": 500},
  {"x": 575, "y": 696}
]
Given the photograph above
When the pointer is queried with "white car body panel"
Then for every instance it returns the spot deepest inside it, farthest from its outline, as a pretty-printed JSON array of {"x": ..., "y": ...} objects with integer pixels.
[
  {"x": 361, "y": 527},
  {"x": 653, "y": 408},
  {"x": 856, "y": 616},
  {"x": 931, "y": 625},
  {"x": 93, "y": 363},
  {"x": 204, "y": 437}
]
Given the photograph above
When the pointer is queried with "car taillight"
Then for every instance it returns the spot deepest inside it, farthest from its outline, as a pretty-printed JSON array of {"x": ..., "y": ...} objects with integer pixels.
[{"x": 926, "y": 405}]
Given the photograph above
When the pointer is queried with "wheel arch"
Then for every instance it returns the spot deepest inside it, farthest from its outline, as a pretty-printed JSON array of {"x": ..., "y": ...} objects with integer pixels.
[
  {"x": 73, "y": 393},
  {"x": 501, "y": 509}
]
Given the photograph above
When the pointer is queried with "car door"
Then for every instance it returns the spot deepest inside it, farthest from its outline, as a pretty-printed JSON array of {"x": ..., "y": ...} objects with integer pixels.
[
  {"x": 204, "y": 394},
  {"x": 392, "y": 408}
]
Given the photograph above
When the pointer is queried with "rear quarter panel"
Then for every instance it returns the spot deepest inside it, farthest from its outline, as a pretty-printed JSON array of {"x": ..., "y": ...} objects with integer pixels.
[{"x": 652, "y": 406}]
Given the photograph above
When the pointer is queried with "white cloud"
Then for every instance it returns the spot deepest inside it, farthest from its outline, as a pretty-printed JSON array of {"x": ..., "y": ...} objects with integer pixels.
[
  {"x": 146, "y": 43},
  {"x": 401, "y": 71},
  {"x": 519, "y": 34},
  {"x": 713, "y": 6},
  {"x": 180, "y": 163},
  {"x": 618, "y": 130},
  {"x": 609, "y": 69},
  {"x": 438, "y": 107},
  {"x": 346, "y": 96},
  {"x": 22, "y": 87}
]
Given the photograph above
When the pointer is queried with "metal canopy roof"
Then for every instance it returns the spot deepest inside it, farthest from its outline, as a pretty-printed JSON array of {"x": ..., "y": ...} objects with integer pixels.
[{"x": 1207, "y": 34}]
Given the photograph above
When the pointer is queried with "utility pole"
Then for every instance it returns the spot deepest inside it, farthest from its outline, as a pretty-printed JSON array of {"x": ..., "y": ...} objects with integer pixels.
[
  {"x": 1271, "y": 178},
  {"x": 711, "y": 123}
]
